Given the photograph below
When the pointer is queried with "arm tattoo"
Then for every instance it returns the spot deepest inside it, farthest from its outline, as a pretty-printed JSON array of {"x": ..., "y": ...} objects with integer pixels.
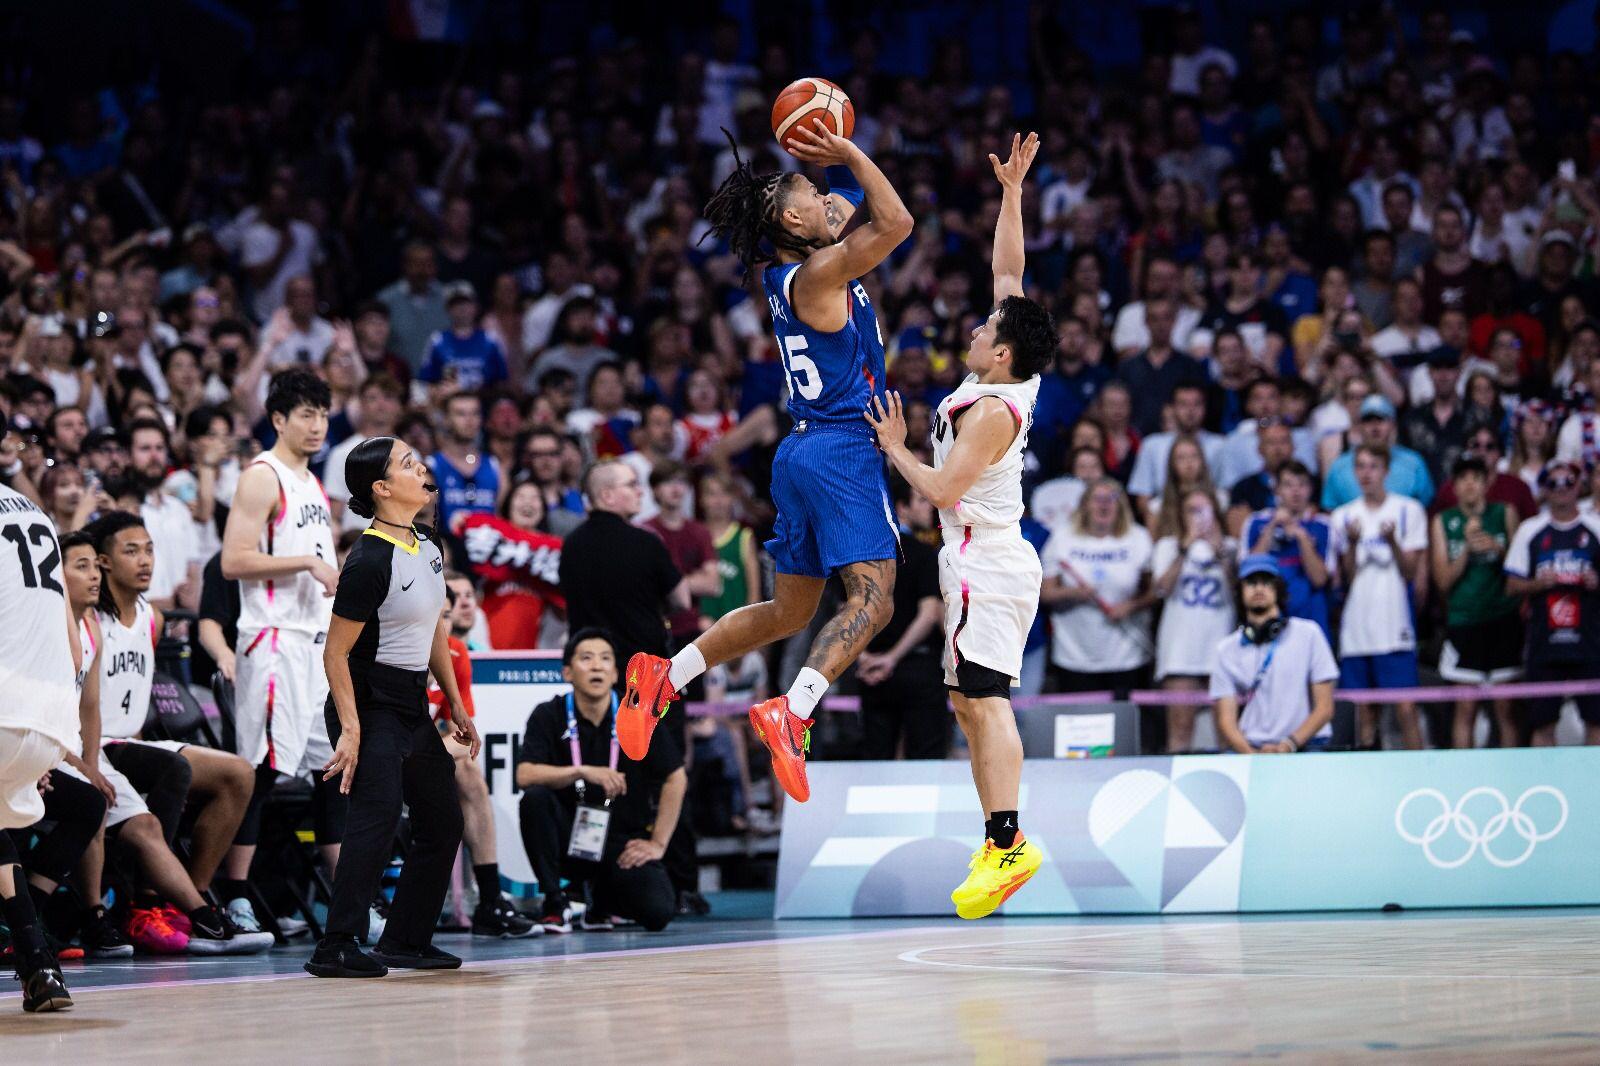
[{"x": 869, "y": 587}]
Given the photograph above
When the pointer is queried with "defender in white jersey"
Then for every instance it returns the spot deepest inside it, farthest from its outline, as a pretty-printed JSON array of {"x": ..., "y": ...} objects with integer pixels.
[
  {"x": 38, "y": 718},
  {"x": 988, "y": 574},
  {"x": 280, "y": 546}
]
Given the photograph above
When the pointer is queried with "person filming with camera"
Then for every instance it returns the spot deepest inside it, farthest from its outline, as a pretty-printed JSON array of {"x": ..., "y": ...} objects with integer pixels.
[{"x": 1272, "y": 685}]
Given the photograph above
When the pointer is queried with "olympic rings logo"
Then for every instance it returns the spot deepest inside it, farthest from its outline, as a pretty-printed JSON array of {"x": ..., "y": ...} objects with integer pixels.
[{"x": 1509, "y": 816}]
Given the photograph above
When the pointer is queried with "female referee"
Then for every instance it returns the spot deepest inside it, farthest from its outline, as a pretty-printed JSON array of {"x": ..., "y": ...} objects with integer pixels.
[{"x": 387, "y": 632}]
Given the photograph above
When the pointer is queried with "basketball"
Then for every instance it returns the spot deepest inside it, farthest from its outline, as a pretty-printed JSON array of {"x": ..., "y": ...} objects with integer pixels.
[{"x": 807, "y": 99}]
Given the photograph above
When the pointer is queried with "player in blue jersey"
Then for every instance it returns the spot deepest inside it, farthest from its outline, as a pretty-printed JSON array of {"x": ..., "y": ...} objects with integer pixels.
[{"x": 828, "y": 478}]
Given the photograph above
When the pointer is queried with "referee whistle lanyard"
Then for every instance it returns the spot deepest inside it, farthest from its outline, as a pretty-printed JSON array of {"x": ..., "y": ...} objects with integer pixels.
[
  {"x": 572, "y": 739},
  {"x": 1261, "y": 673}
]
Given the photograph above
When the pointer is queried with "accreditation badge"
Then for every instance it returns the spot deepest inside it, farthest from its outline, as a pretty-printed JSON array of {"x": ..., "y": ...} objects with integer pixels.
[{"x": 589, "y": 828}]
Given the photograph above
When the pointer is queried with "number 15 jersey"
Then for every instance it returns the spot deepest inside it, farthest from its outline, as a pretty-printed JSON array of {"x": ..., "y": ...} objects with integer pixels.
[
  {"x": 36, "y": 670},
  {"x": 832, "y": 376}
]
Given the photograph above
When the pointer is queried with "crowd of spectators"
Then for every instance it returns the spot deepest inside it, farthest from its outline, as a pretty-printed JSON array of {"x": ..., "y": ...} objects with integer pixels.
[{"x": 1327, "y": 296}]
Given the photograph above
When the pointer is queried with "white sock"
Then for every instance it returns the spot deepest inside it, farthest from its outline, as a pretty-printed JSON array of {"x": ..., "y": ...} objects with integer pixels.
[
  {"x": 687, "y": 665},
  {"x": 807, "y": 689}
]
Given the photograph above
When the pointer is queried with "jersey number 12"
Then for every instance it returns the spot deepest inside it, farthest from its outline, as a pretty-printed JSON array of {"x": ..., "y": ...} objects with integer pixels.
[
  {"x": 44, "y": 575},
  {"x": 804, "y": 377}
]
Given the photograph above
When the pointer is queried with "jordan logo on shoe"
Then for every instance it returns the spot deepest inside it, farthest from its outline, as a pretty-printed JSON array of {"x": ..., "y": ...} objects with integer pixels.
[{"x": 1010, "y": 857}]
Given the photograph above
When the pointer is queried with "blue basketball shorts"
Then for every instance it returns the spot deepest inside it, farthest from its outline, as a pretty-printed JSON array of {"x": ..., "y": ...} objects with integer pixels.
[{"x": 833, "y": 501}]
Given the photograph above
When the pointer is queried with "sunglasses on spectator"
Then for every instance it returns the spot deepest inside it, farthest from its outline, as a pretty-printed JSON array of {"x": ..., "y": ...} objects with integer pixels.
[
  {"x": 1557, "y": 482},
  {"x": 545, "y": 453}
]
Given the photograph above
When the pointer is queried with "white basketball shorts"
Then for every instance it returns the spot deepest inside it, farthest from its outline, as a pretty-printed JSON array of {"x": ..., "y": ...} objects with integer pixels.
[
  {"x": 280, "y": 687},
  {"x": 989, "y": 578},
  {"x": 25, "y": 757}
]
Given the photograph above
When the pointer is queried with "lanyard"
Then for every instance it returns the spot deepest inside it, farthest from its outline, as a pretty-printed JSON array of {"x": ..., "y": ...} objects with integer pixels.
[
  {"x": 572, "y": 739},
  {"x": 1261, "y": 674}
]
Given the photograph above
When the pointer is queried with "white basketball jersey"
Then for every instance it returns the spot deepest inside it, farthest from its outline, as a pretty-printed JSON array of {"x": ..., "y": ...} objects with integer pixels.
[
  {"x": 995, "y": 499},
  {"x": 35, "y": 647},
  {"x": 127, "y": 666},
  {"x": 302, "y": 526}
]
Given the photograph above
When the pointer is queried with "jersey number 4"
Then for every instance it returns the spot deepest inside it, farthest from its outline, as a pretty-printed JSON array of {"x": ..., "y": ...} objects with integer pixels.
[
  {"x": 804, "y": 377},
  {"x": 44, "y": 575}
]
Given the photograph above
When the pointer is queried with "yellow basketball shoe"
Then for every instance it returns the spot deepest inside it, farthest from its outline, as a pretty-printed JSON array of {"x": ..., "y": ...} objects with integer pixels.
[{"x": 996, "y": 874}]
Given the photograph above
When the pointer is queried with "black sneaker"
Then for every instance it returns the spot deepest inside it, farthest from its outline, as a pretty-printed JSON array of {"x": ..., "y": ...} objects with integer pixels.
[
  {"x": 343, "y": 958},
  {"x": 44, "y": 989},
  {"x": 497, "y": 918},
  {"x": 211, "y": 932},
  {"x": 429, "y": 958},
  {"x": 101, "y": 938},
  {"x": 693, "y": 904}
]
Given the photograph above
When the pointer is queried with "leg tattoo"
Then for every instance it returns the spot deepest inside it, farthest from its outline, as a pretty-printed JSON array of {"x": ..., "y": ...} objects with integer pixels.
[{"x": 868, "y": 606}]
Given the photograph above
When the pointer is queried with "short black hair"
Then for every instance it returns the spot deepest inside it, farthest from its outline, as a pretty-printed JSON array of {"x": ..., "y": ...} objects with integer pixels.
[
  {"x": 198, "y": 422},
  {"x": 78, "y": 538},
  {"x": 1027, "y": 329},
  {"x": 570, "y": 649},
  {"x": 295, "y": 386},
  {"x": 101, "y": 532}
]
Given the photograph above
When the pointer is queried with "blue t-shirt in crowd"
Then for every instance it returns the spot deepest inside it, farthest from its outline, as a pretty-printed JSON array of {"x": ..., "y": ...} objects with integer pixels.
[
  {"x": 1305, "y": 599},
  {"x": 477, "y": 358},
  {"x": 1295, "y": 295},
  {"x": 1408, "y": 476},
  {"x": 1062, "y": 400}
]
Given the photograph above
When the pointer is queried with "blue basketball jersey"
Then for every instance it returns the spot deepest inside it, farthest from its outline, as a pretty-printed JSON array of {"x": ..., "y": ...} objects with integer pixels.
[{"x": 832, "y": 376}]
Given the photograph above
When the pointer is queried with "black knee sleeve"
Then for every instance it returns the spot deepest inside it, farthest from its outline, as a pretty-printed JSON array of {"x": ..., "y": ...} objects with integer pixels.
[
  {"x": 249, "y": 833},
  {"x": 77, "y": 808},
  {"x": 977, "y": 682},
  {"x": 8, "y": 851}
]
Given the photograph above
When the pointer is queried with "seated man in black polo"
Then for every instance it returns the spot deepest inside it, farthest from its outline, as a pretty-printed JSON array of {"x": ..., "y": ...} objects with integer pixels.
[{"x": 586, "y": 808}]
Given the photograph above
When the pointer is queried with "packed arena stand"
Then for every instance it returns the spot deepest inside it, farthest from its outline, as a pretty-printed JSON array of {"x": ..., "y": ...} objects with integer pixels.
[{"x": 1324, "y": 289}]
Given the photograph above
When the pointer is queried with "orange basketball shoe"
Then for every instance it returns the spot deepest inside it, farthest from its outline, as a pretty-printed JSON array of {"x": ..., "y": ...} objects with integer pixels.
[
  {"x": 788, "y": 737},
  {"x": 647, "y": 698}
]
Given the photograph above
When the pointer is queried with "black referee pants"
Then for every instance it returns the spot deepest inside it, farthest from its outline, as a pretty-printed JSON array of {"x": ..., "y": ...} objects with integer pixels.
[
  {"x": 643, "y": 894},
  {"x": 402, "y": 760}
]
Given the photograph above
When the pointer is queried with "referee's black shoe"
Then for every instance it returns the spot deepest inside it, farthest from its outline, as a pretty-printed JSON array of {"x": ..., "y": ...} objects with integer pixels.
[
  {"x": 343, "y": 958},
  {"x": 429, "y": 958}
]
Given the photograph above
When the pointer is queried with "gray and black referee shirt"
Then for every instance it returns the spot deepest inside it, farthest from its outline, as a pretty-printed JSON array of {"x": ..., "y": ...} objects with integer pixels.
[{"x": 397, "y": 589}]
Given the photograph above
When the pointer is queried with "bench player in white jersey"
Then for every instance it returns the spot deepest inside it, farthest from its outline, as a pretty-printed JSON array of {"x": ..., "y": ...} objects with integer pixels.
[
  {"x": 39, "y": 655},
  {"x": 280, "y": 546},
  {"x": 988, "y": 574},
  {"x": 162, "y": 777}
]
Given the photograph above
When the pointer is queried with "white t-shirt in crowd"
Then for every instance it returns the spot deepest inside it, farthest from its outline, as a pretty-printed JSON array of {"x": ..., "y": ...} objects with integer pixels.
[
  {"x": 333, "y": 482},
  {"x": 1377, "y": 608},
  {"x": 175, "y": 539},
  {"x": 1149, "y": 475},
  {"x": 1279, "y": 688},
  {"x": 1130, "y": 332},
  {"x": 1083, "y": 639},
  {"x": 259, "y": 244},
  {"x": 1198, "y": 613},
  {"x": 1570, "y": 442},
  {"x": 1054, "y": 501},
  {"x": 1392, "y": 341},
  {"x": 307, "y": 347}
]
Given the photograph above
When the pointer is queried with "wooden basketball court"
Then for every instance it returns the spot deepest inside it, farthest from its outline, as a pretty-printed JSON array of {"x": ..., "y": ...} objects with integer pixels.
[{"x": 1486, "y": 987}]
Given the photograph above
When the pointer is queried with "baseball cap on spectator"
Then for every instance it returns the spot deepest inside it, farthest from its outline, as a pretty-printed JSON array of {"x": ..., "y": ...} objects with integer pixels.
[
  {"x": 100, "y": 438},
  {"x": 1556, "y": 466},
  {"x": 1376, "y": 406},
  {"x": 1259, "y": 563},
  {"x": 1536, "y": 409},
  {"x": 1558, "y": 236},
  {"x": 459, "y": 290},
  {"x": 104, "y": 324},
  {"x": 23, "y": 426},
  {"x": 1443, "y": 355}
]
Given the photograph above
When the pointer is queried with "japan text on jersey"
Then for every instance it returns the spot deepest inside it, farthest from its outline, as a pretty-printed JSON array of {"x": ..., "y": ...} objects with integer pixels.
[{"x": 832, "y": 377}]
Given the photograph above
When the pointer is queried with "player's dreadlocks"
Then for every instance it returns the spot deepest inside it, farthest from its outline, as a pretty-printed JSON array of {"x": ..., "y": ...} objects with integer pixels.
[{"x": 744, "y": 212}]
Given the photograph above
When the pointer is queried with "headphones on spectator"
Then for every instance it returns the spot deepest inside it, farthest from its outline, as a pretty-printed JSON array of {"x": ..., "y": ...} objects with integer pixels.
[{"x": 1266, "y": 632}]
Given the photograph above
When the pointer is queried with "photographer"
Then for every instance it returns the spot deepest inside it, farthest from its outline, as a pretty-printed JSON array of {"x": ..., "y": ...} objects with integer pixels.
[{"x": 1272, "y": 685}]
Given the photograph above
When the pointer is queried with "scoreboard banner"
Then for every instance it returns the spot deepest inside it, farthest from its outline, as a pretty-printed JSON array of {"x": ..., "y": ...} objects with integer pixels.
[{"x": 1219, "y": 833}]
